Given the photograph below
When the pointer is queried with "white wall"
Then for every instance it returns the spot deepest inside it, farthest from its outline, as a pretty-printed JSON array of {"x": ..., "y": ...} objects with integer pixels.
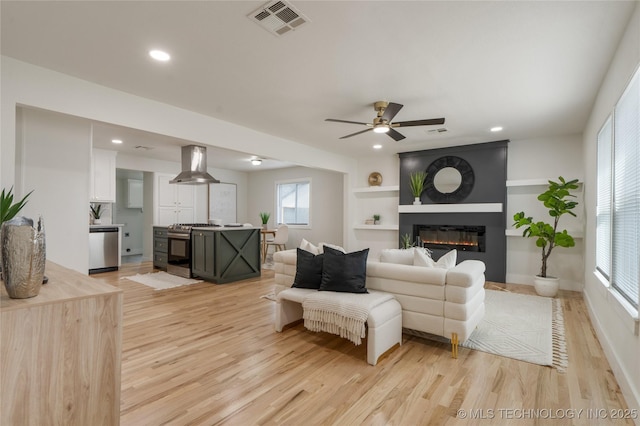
[
  {"x": 327, "y": 209},
  {"x": 56, "y": 164},
  {"x": 615, "y": 328},
  {"x": 546, "y": 158},
  {"x": 364, "y": 205}
]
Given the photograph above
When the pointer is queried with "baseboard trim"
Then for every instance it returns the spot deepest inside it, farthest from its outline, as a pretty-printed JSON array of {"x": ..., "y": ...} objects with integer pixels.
[
  {"x": 528, "y": 280},
  {"x": 630, "y": 393}
]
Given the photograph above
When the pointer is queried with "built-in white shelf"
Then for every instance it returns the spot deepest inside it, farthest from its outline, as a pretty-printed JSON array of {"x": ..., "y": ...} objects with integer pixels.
[
  {"x": 388, "y": 188},
  {"x": 533, "y": 182},
  {"x": 452, "y": 208},
  {"x": 377, "y": 227},
  {"x": 518, "y": 233}
]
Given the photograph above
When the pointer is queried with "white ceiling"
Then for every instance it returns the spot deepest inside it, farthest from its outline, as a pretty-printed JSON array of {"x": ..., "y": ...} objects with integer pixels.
[{"x": 532, "y": 67}]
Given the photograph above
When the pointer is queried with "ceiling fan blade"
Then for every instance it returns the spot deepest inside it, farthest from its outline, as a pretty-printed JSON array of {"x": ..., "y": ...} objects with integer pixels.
[
  {"x": 429, "y": 122},
  {"x": 357, "y": 133},
  {"x": 345, "y": 121},
  {"x": 397, "y": 136},
  {"x": 390, "y": 111}
]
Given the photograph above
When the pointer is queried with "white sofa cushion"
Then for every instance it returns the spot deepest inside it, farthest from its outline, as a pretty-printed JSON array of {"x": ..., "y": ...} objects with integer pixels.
[
  {"x": 447, "y": 261},
  {"x": 398, "y": 256},
  {"x": 307, "y": 246},
  {"x": 398, "y": 272}
]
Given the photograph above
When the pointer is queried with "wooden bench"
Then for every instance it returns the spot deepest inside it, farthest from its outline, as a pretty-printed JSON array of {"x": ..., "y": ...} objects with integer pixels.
[{"x": 384, "y": 323}]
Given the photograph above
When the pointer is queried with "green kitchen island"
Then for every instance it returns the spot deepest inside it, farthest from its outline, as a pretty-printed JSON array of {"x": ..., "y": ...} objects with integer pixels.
[{"x": 225, "y": 254}]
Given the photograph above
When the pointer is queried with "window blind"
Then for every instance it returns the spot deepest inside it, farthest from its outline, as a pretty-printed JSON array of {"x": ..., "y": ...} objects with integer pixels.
[
  {"x": 603, "y": 201},
  {"x": 626, "y": 193}
]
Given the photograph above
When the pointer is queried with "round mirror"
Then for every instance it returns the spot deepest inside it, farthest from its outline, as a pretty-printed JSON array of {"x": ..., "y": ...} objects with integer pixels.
[{"x": 447, "y": 180}]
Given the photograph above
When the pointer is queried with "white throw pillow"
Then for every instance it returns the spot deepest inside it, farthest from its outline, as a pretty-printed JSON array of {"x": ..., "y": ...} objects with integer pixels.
[
  {"x": 307, "y": 246},
  {"x": 333, "y": 246},
  {"x": 398, "y": 256},
  {"x": 447, "y": 261}
]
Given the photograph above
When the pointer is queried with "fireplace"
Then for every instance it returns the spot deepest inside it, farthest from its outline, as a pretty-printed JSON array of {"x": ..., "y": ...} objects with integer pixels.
[{"x": 448, "y": 237}]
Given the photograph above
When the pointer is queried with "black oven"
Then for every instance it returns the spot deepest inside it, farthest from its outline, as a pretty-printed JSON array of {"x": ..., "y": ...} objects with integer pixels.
[{"x": 179, "y": 253}]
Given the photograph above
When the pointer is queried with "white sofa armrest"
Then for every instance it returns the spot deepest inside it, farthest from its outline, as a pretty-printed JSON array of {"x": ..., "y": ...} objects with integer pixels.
[
  {"x": 285, "y": 268},
  {"x": 466, "y": 273}
]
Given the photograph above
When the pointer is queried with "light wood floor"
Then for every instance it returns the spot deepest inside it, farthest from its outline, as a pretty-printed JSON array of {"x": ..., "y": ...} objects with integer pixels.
[{"x": 208, "y": 354}]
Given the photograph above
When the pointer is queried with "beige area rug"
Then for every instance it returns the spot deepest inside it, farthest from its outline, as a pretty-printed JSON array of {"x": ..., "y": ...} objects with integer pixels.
[
  {"x": 523, "y": 327},
  {"x": 269, "y": 296},
  {"x": 161, "y": 280}
]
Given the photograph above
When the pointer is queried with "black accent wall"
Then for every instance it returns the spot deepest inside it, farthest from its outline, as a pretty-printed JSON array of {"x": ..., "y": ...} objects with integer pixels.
[{"x": 489, "y": 164}]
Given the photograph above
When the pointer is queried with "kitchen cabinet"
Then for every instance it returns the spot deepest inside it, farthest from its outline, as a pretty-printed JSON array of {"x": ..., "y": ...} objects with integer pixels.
[
  {"x": 61, "y": 353},
  {"x": 134, "y": 194},
  {"x": 223, "y": 255},
  {"x": 160, "y": 247},
  {"x": 103, "y": 176},
  {"x": 175, "y": 203},
  {"x": 203, "y": 254}
]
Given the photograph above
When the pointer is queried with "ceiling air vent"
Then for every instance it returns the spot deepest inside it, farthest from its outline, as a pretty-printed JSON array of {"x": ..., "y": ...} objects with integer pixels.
[
  {"x": 278, "y": 17},
  {"x": 438, "y": 130}
]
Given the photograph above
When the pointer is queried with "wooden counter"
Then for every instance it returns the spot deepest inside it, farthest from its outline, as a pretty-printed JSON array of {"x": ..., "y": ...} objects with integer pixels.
[{"x": 60, "y": 352}]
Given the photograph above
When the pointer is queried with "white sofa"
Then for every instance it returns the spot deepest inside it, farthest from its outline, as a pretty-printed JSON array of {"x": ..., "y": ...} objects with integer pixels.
[{"x": 442, "y": 302}]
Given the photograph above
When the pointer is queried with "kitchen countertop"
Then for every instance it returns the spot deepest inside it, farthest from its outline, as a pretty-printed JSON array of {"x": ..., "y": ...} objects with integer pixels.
[
  {"x": 111, "y": 225},
  {"x": 223, "y": 228}
]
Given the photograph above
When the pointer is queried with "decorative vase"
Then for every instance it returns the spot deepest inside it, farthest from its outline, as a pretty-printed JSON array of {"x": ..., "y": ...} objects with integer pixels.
[
  {"x": 376, "y": 222},
  {"x": 23, "y": 257},
  {"x": 97, "y": 221},
  {"x": 547, "y": 287},
  {"x": 416, "y": 201},
  {"x": 264, "y": 226}
]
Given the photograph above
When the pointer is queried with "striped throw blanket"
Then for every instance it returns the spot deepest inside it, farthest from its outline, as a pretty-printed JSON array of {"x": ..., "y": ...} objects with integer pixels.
[{"x": 344, "y": 314}]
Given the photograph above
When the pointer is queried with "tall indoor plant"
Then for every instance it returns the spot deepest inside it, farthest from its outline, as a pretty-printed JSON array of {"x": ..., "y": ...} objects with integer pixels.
[
  {"x": 558, "y": 199},
  {"x": 416, "y": 184}
]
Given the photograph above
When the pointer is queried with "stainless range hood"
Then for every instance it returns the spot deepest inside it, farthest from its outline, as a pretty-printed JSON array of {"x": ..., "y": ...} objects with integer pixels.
[{"x": 194, "y": 167}]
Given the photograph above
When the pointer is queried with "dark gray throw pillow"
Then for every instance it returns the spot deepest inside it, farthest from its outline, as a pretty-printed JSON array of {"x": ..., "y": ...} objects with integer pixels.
[
  {"x": 344, "y": 272},
  {"x": 308, "y": 270}
]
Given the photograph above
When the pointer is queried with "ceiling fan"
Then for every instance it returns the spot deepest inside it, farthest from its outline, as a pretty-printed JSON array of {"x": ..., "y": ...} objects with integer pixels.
[{"x": 382, "y": 123}]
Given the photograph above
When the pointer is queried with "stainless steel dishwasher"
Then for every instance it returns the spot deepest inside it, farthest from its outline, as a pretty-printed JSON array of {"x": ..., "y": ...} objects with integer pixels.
[{"x": 103, "y": 249}]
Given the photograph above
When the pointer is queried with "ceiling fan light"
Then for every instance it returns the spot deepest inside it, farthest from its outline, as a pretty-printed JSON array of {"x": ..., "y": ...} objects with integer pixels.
[
  {"x": 381, "y": 128},
  {"x": 256, "y": 161}
]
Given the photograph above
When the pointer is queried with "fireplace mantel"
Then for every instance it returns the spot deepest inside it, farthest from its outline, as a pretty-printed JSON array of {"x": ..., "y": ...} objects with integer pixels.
[{"x": 452, "y": 208}]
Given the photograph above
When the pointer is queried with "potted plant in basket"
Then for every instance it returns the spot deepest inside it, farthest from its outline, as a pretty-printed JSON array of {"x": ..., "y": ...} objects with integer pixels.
[
  {"x": 557, "y": 198},
  {"x": 416, "y": 183},
  {"x": 96, "y": 213},
  {"x": 264, "y": 217}
]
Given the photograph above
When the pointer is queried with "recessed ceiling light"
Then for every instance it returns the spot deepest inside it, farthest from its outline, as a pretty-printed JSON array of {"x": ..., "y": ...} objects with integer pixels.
[
  {"x": 378, "y": 146},
  {"x": 118, "y": 141},
  {"x": 159, "y": 55},
  {"x": 496, "y": 129}
]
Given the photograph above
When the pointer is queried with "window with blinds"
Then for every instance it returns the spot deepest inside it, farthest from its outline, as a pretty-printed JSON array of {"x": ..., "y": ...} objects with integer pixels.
[
  {"x": 626, "y": 193},
  {"x": 603, "y": 200},
  {"x": 618, "y": 196}
]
